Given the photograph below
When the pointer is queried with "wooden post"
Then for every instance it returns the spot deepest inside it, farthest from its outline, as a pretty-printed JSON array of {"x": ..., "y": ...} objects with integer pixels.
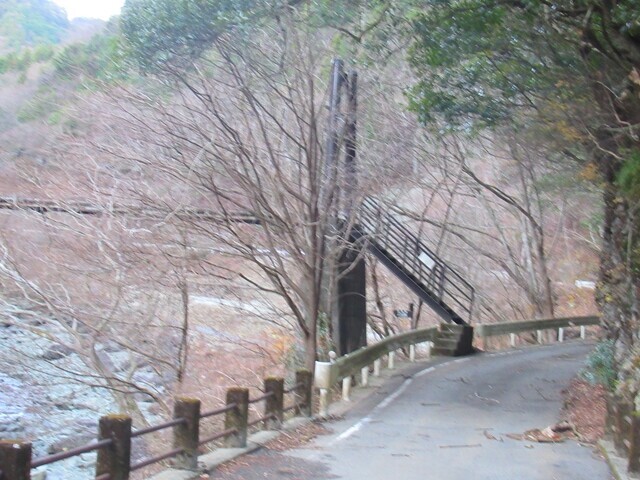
[
  {"x": 304, "y": 392},
  {"x": 392, "y": 360},
  {"x": 634, "y": 444},
  {"x": 412, "y": 353},
  {"x": 186, "y": 435},
  {"x": 238, "y": 417},
  {"x": 15, "y": 460},
  {"x": 513, "y": 339},
  {"x": 539, "y": 335},
  {"x": 274, "y": 405},
  {"x": 583, "y": 332},
  {"x": 115, "y": 459}
]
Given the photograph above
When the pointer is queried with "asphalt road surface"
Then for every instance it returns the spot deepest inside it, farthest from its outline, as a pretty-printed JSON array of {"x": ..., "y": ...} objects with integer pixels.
[{"x": 448, "y": 421}]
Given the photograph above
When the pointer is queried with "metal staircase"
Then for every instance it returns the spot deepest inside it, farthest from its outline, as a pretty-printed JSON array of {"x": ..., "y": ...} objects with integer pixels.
[{"x": 417, "y": 266}]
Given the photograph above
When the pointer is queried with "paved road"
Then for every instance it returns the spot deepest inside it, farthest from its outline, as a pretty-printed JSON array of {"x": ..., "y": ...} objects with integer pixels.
[{"x": 449, "y": 422}]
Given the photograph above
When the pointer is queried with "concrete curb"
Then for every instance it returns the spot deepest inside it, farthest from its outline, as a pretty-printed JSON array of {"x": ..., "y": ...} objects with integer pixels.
[{"x": 210, "y": 461}]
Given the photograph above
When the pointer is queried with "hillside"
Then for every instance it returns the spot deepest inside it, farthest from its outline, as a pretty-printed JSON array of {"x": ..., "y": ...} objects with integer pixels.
[{"x": 25, "y": 23}]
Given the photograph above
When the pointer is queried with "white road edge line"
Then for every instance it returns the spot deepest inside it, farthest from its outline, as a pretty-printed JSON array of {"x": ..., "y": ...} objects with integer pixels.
[{"x": 383, "y": 404}]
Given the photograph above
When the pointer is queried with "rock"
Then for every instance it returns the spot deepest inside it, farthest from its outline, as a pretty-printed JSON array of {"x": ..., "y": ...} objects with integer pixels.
[
  {"x": 56, "y": 352},
  {"x": 42, "y": 475}
]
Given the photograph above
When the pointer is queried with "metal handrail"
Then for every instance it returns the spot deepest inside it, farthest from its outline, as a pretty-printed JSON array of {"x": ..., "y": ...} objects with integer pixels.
[
  {"x": 158, "y": 458},
  {"x": 261, "y": 398},
  {"x": 294, "y": 388},
  {"x": 217, "y": 436},
  {"x": 218, "y": 411},
  {"x": 390, "y": 235},
  {"x": 155, "y": 428},
  {"x": 264, "y": 418},
  {"x": 90, "y": 447}
]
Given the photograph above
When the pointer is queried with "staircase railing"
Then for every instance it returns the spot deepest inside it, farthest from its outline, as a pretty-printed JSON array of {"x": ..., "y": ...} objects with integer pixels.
[{"x": 405, "y": 249}]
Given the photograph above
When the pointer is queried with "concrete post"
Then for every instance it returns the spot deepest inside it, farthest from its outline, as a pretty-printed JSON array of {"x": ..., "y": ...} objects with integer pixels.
[
  {"x": 392, "y": 360},
  {"x": 324, "y": 403},
  {"x": 376, "y": 367},
  {"x": 237, "y": 418},
  {"x": 364, "y": 373},
  {"x": 513, "y": 339},
  {"x": 583, "y": 332},
  {"x": 15, "y": 460},
  {"x": 539, "y": 335},
  {"x": 186, "y": 435},
  {"x": 274, "y": 405},
  {"x": 116, "y": 458},
  {"x": 346, "y": 388},
  {"x": 412, "y": 353},
  {"x": 561, "y": 334}
]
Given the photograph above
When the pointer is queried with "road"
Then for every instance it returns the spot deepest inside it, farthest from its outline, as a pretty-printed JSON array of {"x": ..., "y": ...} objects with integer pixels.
[{"x": 448, "y": 421}]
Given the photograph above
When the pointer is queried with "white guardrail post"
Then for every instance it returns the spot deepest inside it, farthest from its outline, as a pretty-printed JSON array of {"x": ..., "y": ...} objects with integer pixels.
[
  {"x": 514, "y": 329},
  {"x": 342, "y": 369},
  {"x": 376, "y": 367},
  {"x": 322, "y": 380}
]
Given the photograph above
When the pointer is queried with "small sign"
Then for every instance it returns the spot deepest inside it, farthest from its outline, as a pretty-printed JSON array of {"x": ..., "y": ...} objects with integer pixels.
[
  {"x": 427, "y": 260},
  {"x": 402, "y": 313}
]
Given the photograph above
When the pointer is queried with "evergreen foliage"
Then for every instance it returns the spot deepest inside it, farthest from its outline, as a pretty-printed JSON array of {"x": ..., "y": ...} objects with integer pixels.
[
  {"x": 600, "y": 366},
  {"x": 102, "y": 59},
  {"x": 31, "y": 22}
]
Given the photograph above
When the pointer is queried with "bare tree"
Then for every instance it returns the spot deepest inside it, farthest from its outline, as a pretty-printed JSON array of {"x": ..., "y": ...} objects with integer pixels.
[{"x": 244, "y": 137}]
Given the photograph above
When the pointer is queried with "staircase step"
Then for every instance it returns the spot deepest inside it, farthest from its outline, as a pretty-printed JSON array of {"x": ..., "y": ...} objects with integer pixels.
[
  {"x": 451, "y": 327},
  {"x": 446, "y": 352},
  {"x": 447, "y": 334},
  {"x": 446, "y": 342}
]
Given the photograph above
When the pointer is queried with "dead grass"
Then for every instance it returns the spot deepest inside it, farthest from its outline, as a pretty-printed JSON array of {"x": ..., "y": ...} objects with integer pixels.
[{"x": 585, "y": 408}]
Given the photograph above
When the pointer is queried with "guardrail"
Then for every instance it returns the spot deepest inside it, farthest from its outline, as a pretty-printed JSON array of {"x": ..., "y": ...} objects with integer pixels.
[
  {"x": 485, "y": 331},
  {"x": 327, "y": 374},
  {"x": 115, "y": 432}
]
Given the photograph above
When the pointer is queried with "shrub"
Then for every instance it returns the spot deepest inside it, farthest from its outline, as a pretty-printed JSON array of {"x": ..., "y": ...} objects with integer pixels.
[{"x": 600, "y": 366}]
